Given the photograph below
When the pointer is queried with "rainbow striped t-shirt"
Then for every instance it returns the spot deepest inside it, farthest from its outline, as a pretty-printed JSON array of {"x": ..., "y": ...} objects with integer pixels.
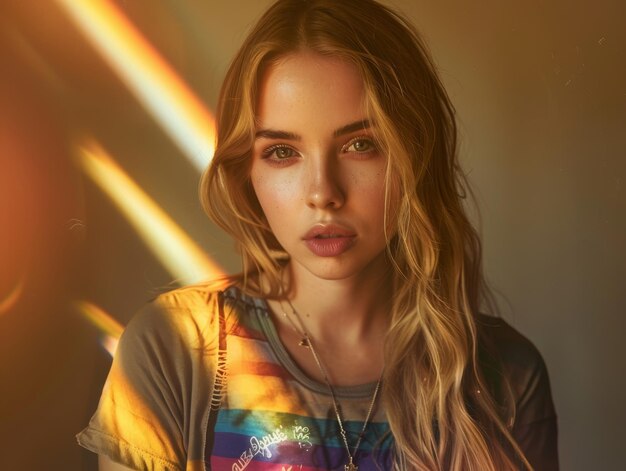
[
  {"x": 160, "y": 409},
  {"x": 274, "y": 417}
]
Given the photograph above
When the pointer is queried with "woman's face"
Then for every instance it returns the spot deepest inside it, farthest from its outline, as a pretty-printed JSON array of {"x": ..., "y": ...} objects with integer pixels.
[{"x": 316, "y": 171}]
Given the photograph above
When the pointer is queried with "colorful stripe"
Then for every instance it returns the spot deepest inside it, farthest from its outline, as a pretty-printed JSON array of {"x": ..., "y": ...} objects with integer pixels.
[
  {"x": 257, "y": 423},
  {"x": 270, "y": 453}
]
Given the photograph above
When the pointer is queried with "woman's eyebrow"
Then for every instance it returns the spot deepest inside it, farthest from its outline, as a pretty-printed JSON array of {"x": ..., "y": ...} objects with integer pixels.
[
  {"x": 276, "y": 134},
  {"x": 356, "y": 126}
]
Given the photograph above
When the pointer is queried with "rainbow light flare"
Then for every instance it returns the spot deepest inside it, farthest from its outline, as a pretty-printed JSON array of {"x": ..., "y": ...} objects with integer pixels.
[
  {"x": 181, "y": 256},
  {"x": 105, "y": 323},
  {"x": 149, "y": 77},
  {"x": 10, "y": 300}
]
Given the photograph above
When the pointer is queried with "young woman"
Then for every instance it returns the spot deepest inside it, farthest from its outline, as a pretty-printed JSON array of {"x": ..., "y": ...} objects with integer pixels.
[{"x": 354, "y": 338}]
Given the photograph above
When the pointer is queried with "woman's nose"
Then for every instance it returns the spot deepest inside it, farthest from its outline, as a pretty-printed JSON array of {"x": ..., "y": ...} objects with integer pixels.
[{"x": 325, "y": 189}]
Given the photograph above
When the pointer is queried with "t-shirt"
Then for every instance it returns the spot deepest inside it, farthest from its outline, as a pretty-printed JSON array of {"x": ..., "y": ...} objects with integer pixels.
[{"x": 201, "y": 380}]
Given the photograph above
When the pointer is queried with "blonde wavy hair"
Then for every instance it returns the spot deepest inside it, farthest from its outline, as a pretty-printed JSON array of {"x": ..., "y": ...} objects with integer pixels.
[{"x": 441, "y": 413}]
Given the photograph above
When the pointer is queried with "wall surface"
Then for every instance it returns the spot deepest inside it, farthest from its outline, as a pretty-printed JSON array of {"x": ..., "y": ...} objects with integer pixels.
[{"x": 540, "y": 91}]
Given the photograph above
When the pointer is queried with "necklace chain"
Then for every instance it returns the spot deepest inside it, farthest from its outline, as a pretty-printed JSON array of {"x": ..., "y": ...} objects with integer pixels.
[{"x": 306, "y": 341}]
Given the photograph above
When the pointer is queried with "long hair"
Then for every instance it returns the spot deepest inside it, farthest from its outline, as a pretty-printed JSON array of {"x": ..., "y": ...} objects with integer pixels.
[{"x": 440, "y": 412}]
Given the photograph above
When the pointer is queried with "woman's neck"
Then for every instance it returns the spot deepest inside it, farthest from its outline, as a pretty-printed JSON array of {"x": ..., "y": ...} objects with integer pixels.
[
  {"x": 347, "y": 320},
  {"x": 348, "y": 311}
]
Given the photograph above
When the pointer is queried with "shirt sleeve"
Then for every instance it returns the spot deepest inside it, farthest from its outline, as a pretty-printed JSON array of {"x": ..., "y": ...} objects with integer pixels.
[
  {"x": 522, "y": 371},
  {"x": 147, "y": 405},
  {"x": 535, "y": 427}
]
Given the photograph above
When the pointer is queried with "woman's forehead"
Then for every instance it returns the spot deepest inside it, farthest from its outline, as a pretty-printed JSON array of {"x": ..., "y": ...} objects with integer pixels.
[{"x": 306, "y": 86}]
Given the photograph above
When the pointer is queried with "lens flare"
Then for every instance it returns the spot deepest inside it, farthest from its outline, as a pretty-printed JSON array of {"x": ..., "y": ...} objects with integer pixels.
[
  {"x": 10, "y": 300},
  {"x": 149, "y": 77},
  {"x": 180, "y": 255},
  {"x": 105, "y": 323}
]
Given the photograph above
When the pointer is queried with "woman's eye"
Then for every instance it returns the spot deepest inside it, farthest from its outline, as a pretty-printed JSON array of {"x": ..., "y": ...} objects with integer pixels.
[
  {"x": 279, "y": 152},
  {"x": 359, "y": 145},
  {"x": 284, "y": 152}
]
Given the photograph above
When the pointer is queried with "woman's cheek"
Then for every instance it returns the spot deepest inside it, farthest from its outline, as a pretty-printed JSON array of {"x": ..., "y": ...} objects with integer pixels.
[{"x": 275, "y": 194}]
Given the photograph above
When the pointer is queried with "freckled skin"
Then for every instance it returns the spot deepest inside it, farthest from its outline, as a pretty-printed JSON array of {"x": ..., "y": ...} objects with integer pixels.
[{"x": 319, "y": 177}]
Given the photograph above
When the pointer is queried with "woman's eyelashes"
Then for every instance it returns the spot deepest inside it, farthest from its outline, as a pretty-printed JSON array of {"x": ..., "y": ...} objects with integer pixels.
[
  {"x": 360, "y": 145},
  {"x": 281, "y": 154}
]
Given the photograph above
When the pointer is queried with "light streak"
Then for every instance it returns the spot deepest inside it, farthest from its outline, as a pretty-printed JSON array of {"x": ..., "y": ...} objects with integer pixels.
[
  {"x": 149, "y": 77},
  {"x": 110, "y": 344},
  {"x": 11, "y": 299},
  {"x": 181, "y": 256},
  {"x": 100, "y": 318},
  {"x": 105, "y": 323}
]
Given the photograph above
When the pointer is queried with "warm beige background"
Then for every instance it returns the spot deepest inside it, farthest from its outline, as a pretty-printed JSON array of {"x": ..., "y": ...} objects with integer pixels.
[{"x": 540, "y": 88}]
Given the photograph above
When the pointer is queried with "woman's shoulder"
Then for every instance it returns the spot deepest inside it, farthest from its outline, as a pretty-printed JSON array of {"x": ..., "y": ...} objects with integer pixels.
[
  {"x": 511, "y": 347},
  {"x": 190, "y": 297},
  {"x": 194, "y": 311},
  {"x": 507, "y": 354},
  {"x": 179, "y": 315},
  {"x": 206, "y": 295}
]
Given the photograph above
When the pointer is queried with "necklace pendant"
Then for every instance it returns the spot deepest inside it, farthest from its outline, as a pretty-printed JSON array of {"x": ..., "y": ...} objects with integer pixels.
[
  {"x": 304, "y": 342},
  {"x": 351, "y": 467}
]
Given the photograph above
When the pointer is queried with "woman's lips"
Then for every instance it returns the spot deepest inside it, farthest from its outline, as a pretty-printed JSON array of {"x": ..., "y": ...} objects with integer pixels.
[
  {"x": 329, "y": 241},
  {"x": 330, "y": 246}
]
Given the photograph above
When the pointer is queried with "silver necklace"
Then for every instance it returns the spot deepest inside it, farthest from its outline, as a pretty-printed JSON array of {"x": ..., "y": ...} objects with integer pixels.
[{"x": 306, "y": 341}]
